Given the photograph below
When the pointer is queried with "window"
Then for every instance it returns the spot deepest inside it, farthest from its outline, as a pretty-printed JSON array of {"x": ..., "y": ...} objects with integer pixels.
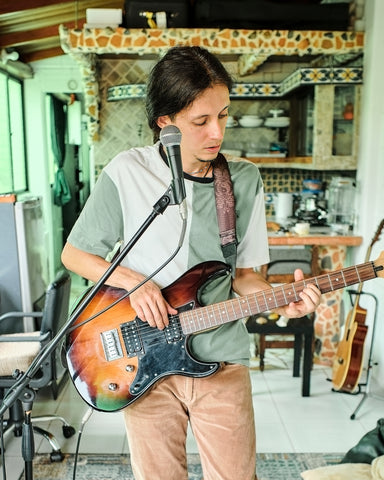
[{"x": 13, "y": 171}]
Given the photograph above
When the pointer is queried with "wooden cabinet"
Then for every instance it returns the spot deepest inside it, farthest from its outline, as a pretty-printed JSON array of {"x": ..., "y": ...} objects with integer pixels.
[
  {"x": 326, "y": 126},
  {"x": 324, "y": 109}
]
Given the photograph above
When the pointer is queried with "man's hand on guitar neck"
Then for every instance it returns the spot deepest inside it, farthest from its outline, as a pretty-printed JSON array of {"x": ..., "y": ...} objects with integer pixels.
[{"x": 310, "y": 300}]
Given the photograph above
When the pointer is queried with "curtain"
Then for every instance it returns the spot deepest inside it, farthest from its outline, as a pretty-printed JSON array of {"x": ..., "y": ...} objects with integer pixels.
[{"x": 58, "y": 119}]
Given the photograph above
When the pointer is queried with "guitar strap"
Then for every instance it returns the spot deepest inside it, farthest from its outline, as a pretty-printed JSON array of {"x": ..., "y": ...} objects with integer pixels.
[{"x": 225, "y": 208}]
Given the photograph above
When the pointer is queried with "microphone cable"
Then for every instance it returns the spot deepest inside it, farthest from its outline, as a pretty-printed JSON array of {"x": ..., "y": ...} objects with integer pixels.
[{"x": 146, "y": 279}]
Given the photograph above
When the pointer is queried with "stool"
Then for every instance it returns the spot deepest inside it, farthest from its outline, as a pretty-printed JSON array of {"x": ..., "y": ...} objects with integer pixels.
[{"x": 301, "y": 328}]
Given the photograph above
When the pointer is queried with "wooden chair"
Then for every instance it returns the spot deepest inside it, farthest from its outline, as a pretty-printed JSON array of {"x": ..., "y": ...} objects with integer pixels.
[{"x": 280, "y": 270}]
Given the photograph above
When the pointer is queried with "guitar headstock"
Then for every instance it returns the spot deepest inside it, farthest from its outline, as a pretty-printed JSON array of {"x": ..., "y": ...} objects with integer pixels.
[
  {"x": 378, "y": 233},
  {"x": 379, "y": 265}
]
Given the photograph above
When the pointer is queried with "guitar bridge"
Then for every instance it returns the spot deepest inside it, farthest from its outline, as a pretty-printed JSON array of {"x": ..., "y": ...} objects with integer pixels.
[{"x": 111, "y": 345}]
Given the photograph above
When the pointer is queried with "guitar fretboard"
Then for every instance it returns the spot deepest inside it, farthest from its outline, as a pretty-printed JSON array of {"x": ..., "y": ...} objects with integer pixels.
[{"x": 204, "y": 318}]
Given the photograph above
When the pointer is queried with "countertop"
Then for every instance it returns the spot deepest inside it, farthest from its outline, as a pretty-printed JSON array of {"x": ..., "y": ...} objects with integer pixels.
[{"x": 322, "y": 236}]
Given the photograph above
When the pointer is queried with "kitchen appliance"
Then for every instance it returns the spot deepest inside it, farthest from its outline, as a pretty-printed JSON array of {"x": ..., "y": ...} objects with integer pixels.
[
  {"x": 23, "y": 261},
  {"x": 341, "y": 197},
  {"x": 283, "y": 203},
  {"x": 311, "y": 209}
]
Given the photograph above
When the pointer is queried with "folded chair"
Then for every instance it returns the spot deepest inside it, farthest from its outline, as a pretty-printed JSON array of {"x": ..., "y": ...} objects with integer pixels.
[{"x": 18, "y": 350}]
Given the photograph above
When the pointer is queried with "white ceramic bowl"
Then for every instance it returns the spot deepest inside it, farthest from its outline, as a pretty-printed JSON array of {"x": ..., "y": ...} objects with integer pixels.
[
  {"x": 250, "y": 121},
  {"x": 277, "y": 122}
]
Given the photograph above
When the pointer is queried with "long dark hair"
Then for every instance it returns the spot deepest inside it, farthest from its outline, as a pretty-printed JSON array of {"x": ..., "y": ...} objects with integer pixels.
[{"x": 178, "y": 79}]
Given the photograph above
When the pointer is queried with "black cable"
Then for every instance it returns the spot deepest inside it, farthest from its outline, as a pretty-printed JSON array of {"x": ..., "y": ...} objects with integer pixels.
[
  {"x": 2, "y": 447},
  {"x": 146, "y": 279},
  {"x": 85, "y": 419}
]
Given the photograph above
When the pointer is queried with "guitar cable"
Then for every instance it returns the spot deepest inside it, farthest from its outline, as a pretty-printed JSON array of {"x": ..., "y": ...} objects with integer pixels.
[
  {"x": 85, "y": 419},
  {"x": 90, "y": 410}
]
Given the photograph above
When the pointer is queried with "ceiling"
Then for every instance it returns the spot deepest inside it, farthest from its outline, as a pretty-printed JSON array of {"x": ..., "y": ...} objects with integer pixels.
[{"x": 31, "y": 27}]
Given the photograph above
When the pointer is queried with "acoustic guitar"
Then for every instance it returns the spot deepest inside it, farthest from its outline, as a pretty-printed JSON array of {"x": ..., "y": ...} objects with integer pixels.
[
  {"x": 114, "y": 357},
  {"x": 348, "y": 364}
]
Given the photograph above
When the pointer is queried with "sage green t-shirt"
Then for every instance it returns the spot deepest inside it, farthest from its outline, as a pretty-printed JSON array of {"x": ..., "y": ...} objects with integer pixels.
[{"x": 123, "y": 198}]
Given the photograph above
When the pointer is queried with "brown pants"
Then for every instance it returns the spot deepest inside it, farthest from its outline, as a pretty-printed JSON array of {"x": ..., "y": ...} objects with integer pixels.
[{"x": 220, "y": 411}]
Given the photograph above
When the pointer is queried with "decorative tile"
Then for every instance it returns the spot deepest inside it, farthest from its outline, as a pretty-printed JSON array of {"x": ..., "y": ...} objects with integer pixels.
[
  {"x": 219, "y": 41},
  {"x": 302, "y": 76}
]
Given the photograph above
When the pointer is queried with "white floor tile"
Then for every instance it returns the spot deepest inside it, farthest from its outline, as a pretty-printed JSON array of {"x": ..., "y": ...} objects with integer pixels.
[
  {"x": 273, "y": 438},
  {"x": 285, "y": 421},
  {"x": 319, "y": 435}
]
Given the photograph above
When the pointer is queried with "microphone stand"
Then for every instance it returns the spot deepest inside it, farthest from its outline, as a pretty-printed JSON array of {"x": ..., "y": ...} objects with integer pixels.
[{"x": 20, "y": 390}]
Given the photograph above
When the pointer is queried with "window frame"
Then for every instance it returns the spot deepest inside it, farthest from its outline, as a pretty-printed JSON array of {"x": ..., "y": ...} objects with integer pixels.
[{"x": 16, "y": 159}]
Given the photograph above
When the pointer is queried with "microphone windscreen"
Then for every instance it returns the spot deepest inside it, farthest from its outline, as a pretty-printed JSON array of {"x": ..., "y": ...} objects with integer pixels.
[{"x": 170, "y": 135}]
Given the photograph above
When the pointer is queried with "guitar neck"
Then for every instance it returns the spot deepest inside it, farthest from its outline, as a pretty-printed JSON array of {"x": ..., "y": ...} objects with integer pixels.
[{"x": 204, "y": 318}]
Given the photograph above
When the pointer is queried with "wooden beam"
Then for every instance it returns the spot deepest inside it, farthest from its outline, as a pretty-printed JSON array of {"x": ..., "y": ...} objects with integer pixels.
[
  {"x": 42, "y": 54},
  {"x": 9, "y": 6},
  {"x": 16, "y": 39},
  {"x": 12, "y": 6}
]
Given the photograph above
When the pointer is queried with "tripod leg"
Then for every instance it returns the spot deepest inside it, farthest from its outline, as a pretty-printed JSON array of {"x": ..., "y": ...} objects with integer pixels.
[
  {"x": 28, "y": 445},
  {"x": 353, "y": 416}
]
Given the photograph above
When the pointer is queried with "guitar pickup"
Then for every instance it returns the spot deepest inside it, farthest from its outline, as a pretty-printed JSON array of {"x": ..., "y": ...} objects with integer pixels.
[
  {"x": 173, "y": 332},
  {"x": 132, "y": 339}
]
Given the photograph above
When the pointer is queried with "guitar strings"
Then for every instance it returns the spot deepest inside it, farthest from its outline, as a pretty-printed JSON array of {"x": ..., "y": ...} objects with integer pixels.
[{"x": 257, "y": 302}]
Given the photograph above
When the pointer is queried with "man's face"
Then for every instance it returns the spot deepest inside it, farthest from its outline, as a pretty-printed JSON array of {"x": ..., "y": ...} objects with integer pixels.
[{"x": 202, "y": 126}]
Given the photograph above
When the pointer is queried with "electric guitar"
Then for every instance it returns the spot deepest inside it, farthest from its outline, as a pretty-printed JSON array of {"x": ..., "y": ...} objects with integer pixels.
[
  {"x": 348, "y": 364},
  {"x": 114, "y": 358}
]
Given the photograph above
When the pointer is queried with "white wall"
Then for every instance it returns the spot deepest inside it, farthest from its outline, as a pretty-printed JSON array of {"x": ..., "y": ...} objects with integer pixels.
[
  {"x": 58, "y": 75},
  {"x": 371, "y": 176}
]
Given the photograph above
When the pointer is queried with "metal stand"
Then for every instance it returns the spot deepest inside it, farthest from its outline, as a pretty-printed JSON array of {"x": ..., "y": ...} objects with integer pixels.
[
  {"x": 20, "y": 389},
  {"x": 370, "y": 364}
]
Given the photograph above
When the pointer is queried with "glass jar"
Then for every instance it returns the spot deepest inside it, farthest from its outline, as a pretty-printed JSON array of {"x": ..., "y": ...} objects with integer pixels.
[{"x": 341, "y": 199}]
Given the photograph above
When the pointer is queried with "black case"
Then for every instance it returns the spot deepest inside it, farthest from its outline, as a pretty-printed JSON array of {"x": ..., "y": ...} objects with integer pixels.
[
  {"x": 177, "y": 13},
  {"x": 270, "y": 14}
]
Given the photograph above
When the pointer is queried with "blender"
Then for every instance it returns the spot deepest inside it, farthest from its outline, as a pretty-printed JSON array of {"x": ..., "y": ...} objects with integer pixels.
[{"x": 341, "y": 197}]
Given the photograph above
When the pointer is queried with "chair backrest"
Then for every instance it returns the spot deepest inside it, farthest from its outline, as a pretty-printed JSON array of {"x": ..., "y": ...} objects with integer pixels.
[
  {"x": 56, "y": 305},
  {"x": 55, "y": 314},
  {"x": 53, "y": 317},
  {"x": 284, "y": 261}
]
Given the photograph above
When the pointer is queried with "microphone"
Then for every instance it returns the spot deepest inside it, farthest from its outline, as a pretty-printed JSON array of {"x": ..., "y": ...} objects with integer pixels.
[{"x": 170, "y": 137}]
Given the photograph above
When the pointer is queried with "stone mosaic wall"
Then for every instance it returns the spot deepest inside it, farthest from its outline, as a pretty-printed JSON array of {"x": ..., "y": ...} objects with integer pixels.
[
  {"x": 253, "y": 46},
  {"x": 329, "y": 314},
  {"x": 219, "y": 41}
]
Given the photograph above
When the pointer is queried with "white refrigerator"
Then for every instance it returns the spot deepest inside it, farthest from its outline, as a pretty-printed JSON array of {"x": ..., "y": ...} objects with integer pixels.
[{"x": 23, "y": 261}]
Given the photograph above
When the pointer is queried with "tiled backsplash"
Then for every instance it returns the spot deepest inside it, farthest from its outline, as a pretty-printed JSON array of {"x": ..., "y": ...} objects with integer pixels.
[{"x": 291, "y": 180}]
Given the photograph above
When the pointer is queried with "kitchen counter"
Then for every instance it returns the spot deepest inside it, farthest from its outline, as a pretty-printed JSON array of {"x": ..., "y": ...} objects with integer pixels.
[
  {"x": 276, "y": 239},
  {"x": 331, "y": 252}
]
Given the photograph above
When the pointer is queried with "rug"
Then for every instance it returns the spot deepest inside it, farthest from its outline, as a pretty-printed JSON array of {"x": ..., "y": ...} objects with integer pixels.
[{"x": 270, "y": 466}]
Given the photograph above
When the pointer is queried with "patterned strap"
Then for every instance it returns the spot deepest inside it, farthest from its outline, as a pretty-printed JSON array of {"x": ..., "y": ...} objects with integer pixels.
[{"x": 225, "y": 208}]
